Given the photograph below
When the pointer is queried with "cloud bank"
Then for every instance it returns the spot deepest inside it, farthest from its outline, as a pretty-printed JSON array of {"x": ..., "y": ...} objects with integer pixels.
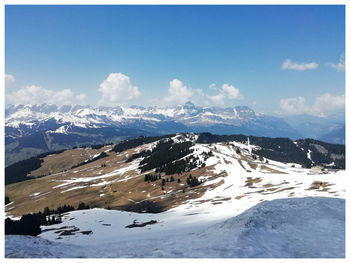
[
  {"x": 323, "y": 105},
  {"x": 180, "y": 93},
  {"x": 37, "y": 95},
  {"x": 117, "y": 89}
]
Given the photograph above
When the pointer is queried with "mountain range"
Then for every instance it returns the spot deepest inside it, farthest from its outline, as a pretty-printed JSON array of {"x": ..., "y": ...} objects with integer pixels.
[{"x": 33, "y": 129}]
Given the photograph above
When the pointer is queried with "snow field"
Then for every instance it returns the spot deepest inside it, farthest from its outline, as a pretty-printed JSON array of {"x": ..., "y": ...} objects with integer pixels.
[{"x": 282, "y": 228}]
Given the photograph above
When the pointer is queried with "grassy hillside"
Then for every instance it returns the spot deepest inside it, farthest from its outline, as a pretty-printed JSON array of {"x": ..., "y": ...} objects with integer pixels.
[{"x": 158, "y": 174}]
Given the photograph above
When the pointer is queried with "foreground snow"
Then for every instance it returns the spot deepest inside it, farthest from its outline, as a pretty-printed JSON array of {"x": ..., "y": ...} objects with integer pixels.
[{"x": 296, "y": 227}]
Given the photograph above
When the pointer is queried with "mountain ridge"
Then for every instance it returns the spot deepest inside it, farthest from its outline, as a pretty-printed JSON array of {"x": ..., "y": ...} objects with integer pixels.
[
  {"x": 34, "y": 129},
  {"x": 177, "y": 182},
  {"x": 89, "y": 116}
]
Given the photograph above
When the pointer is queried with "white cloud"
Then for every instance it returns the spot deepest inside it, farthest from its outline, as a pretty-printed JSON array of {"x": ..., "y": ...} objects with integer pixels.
[
  {"x": 328, "y": 103},
  {"x": 225, "y": 92},
  {"x": 218, "y": 99},
  {"x": 230, "y": 91},
  {"x": 293, "y": 105},
  {"x": 288, "y": 64},
  {"x": 323, "y": 105},
  {"x": 212, "y": 86},
  {"x": 9, "y": 82},
  {"x": 200, "y": 98},
  {"x": 81, "y": 98},
  {"x": 178, "y": 92},
  {"x": 9, "y": 78},
  {"x": 117, "y": 89},
  {"x": 37, "y": 95},
  {"x": 340, "y": 66}
]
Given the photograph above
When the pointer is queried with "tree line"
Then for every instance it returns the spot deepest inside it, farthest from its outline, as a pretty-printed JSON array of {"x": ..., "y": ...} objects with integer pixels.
[
  {"x": 284, "y": 149},
  {"x": 129, "y": 144},
  {"x": 100, "y": 156},
  {"x": 29, "y": 224},
  {"x": 163, "y": 156},
  {"x": 19, "y": 171}
]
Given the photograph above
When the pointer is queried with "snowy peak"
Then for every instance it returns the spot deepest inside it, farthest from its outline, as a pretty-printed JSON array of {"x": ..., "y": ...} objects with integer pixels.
[
  {"x": 27, "y": 116},
  {"x": 189, "y": 105},
  {"x": 187, "y": 117},
  {"x": 188, "y": 113},
  {"x": 38, "y": 128}
]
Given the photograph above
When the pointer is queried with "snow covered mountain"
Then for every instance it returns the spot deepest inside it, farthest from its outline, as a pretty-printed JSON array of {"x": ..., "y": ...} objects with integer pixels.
[
  {"x": 184, "y": 195},
  {"x": 152, "y": 174},
  {"x": 32, "y": 129},
  {"x": 30, "y": 118}
]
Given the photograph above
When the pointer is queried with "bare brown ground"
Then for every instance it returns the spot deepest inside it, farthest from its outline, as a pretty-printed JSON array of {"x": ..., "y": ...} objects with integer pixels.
[
  {"x": 120, "y": 191},
  {"x": 271, "y": 170},
  {"x": 124, "y": 190}
]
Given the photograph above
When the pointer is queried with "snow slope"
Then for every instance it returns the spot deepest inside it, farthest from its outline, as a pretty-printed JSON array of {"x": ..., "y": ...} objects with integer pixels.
[
  {"x": 217, "y": 223},
  {"x": 287, "y": 228},
  {"x": 232, "y": 170}
]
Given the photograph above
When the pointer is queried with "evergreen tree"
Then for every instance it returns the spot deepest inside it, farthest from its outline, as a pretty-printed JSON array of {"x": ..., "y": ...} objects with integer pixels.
[
  {"x": 82, "y": 206},
  {"x": 7, "y": 200},
  {"x": 192, "y": 181},
  {"x": 47, "y": 211}
]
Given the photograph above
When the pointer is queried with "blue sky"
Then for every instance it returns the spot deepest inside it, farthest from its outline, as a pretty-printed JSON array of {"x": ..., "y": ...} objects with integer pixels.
[{"x": 275, "y": 59}]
